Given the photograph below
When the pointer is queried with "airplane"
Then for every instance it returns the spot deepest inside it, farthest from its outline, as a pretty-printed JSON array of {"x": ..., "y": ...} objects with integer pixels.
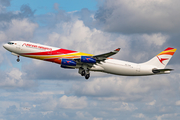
[{"x": 88, "y": 62}]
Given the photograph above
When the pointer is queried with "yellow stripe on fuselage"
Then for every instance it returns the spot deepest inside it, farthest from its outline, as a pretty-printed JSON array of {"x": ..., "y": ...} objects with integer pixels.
[{"x": 72, "y": 55}]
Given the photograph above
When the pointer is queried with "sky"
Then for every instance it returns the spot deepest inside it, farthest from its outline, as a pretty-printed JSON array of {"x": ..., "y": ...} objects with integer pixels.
[{"x": 34, "y": 89}]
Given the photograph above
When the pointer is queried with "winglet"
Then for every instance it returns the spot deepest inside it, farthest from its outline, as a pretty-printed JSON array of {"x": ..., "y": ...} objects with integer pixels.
[
  {"x": 106, "y": 55},
  {"x": 117, "y": 50}
]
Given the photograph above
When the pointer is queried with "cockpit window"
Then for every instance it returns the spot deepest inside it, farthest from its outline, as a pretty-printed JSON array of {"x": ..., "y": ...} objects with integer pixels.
[{"x": 10, "y": 43}]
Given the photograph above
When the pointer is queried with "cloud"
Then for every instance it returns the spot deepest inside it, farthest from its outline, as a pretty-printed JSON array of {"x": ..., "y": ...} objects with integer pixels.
[
  {"x": 18, "y": 30},
  {"x": 97, "y": 118},
  {"x": 115, "y": 88},
  {"x": 151, "y": 103},
  {"x": 167, "y": 116},
  {"x": 12, "y": 80},
  {"x": 12, "y": 110},
  {"x": 140, "y": 16},
  {"x": 124, "y": 107},
  {"x": 25, "y": 12},
  {"x": 140, "y": 115},
  {"x": 5, "y": 2},
  {"x": 72, "y": 102},
  {"x": 56, "y": 6},
  {"x": 177, "y": 103},
  {"x": 3, "y": 5}
]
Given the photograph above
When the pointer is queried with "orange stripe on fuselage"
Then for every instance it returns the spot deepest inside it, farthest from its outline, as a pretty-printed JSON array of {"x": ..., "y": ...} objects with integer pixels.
[{"x": 55, "y": 60}]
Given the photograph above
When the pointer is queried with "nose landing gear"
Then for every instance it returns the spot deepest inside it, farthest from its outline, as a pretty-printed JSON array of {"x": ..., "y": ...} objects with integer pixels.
[{"x": 18, "y": 59}]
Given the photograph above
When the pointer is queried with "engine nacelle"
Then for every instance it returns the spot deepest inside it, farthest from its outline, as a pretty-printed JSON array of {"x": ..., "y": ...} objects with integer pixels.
[
  {"x": 68, "y": 62},
  {"x": 87, "y": 59}
]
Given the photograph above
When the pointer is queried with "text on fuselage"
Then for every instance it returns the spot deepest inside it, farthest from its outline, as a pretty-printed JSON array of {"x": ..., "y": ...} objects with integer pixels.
[{"x": 36, "y": 46}]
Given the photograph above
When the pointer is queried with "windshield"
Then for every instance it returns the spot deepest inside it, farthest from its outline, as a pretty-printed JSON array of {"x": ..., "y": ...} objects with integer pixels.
[{"x": 10, "y": 43}]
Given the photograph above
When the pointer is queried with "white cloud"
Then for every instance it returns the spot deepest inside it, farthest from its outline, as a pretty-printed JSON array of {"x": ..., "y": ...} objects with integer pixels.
[
  {"x": 156, "y": 39},
  {"x": 97, "y": 118},
  {"x": 177, "y": 103},
  {"x": 14, "y": 80},
  {"x": 151, "y": 103},
  {"x": 79, "y": 37},
  {"x": 49, "y": 92},
  {"x": 15, "y": 73},
  {"x": 72, "y": 102},
  {"x": 18, "y": 30},
  {"x": 124, "y": 107},
  {"x": 140, "y": 115},
  {"x": 166, "y": 116},
  {"x": 120, "y": 88}
]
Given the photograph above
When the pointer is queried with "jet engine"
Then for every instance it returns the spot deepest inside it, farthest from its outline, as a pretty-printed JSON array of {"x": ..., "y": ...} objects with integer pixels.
[
  {"x": 86, "y": 59},
  {"x": 67, "y": 62}
]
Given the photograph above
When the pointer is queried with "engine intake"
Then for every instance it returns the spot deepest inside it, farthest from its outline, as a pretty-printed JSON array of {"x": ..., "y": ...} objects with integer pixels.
[
  {"x": 68, "y": 62},
  {"x": 86, "y": 59}
]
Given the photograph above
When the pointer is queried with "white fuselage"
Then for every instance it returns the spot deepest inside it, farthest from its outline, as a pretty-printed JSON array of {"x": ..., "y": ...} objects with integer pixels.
[
  {"x": 113, "y": 66},
  {"x": 125, "y": 68}
]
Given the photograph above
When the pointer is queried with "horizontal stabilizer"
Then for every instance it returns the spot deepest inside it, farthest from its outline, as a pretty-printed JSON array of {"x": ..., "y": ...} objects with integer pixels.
[{"x": 161, "y": 71}]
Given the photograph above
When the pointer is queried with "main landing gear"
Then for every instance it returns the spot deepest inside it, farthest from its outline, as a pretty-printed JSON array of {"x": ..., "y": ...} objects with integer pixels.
[
  {"x": 84, "y": 72},
  {"x": 18, "y": 59}
]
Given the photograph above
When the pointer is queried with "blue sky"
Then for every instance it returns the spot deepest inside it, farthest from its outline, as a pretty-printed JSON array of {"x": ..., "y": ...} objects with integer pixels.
[
  {"x": 46, "y": 6},
  {"x": 34, "y": 89}
]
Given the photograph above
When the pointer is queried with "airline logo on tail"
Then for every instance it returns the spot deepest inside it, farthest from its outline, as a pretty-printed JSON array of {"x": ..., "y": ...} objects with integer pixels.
[{"x": 166, "y": 54}]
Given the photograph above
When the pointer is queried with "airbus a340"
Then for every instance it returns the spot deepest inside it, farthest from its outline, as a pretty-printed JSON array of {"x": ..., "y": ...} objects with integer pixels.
[{"x": 87, "y": 62}]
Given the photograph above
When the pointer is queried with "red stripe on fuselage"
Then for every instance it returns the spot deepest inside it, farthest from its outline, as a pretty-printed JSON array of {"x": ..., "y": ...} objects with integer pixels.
[{"x": 54, "y": 52}]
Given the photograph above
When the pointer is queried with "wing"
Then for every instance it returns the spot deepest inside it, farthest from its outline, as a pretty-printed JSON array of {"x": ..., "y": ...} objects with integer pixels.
[
  {"x": 104, "y": 56},
  {"x": 87, "y": 60}
]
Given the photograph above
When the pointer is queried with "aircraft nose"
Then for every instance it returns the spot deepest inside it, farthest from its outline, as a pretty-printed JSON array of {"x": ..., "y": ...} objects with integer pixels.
[{"x": 5, "y": 46}]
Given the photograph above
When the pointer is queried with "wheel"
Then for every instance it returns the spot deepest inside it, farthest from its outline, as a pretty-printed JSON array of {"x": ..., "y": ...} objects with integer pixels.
[
  {"x": 18, "y": 60},
  {"x": 83, "y": 73},
  {"x": 87, "y": 76}
]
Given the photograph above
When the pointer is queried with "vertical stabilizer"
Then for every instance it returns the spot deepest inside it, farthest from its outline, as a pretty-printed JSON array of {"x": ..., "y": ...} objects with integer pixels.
[{"x": 162, "y": 59}]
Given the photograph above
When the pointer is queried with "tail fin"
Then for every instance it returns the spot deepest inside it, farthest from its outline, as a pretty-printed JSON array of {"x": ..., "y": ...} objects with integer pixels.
[{"x": 162, "y": 59}]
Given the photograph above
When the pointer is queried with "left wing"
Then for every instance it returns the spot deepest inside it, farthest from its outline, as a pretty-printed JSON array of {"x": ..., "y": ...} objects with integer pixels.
[
  {"x": 96, "y": 58},
  {"x": 86, "y": 61},
  {"x": 104, "y": 56}
]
